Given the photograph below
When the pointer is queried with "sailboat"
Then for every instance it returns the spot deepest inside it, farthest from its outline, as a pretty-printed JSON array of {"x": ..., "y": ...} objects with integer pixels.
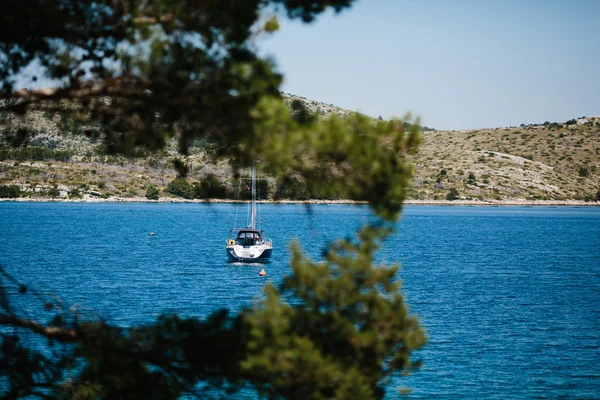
[{"x": 249, "y": 244}]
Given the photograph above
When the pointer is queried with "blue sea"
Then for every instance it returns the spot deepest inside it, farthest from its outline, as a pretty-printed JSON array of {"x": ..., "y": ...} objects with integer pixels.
[{"x": 509, "y": 296}]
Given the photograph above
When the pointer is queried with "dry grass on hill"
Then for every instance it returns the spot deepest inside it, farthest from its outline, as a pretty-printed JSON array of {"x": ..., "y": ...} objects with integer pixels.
[
  {"x": 530, "y": 162},
  {"x": 558, "y": 161}
]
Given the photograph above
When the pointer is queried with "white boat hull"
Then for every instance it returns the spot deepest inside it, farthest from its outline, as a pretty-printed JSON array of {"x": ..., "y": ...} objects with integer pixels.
[{"x": 256, "y": 253}]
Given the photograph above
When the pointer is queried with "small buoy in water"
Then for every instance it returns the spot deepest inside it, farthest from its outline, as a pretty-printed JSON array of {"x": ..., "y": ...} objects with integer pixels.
[
  {"x": 151, "y": 233},
  {"x": 262, "y": 272}
]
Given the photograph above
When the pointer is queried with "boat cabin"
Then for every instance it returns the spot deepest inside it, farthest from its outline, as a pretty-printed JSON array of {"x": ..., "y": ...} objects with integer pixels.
[{"x": 248, "y": 237}]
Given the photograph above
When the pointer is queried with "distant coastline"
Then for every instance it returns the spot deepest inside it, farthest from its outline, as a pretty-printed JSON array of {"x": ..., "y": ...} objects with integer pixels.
[
  {"x": 496, "y": 166},
  {"x": 163, "y": 200}
]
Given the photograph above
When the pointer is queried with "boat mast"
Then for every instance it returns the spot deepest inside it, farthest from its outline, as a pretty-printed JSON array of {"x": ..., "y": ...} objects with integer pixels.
[{"x": 253, "y": 216}]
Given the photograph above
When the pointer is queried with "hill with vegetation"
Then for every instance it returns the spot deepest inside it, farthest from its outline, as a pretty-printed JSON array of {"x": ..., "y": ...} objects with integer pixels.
[
  {"x": 549, "y": 161},
  {"x": 65, "y": 159}
]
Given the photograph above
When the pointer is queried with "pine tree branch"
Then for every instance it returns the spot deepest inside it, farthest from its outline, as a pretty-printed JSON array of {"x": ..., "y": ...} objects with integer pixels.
[
  {"x": 117, "y": 86},
  {"x": 51, "y": 332}
]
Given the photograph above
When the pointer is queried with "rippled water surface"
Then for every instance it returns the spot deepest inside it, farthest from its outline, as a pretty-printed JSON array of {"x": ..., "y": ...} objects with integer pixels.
[{"x": 510, "y": 296}]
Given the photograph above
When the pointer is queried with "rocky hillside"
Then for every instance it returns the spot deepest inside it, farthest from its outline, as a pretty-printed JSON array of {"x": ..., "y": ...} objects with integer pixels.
[
  {"x": 550, "y": 161},
  {"x": 316, "y": 107}
]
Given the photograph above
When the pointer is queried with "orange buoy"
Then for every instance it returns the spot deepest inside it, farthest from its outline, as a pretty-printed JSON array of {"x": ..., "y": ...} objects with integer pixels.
[
  {"x": 262, "y": 272},
  {"x": 151, "y": 233}
]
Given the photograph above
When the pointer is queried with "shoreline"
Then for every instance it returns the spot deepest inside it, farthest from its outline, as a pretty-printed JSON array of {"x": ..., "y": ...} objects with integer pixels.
[{"x": 166, "y": 200}]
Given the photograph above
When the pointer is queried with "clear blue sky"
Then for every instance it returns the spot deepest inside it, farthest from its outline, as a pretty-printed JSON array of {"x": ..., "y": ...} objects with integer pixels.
[{"x": 459, "y": 64}]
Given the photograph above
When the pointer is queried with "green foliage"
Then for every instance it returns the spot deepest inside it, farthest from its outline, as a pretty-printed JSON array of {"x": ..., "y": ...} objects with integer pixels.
[
  {"x": 209, "y": 188},
  {"x": 180, "y": 187},
  {"x": 359, "y": 159},
  {"x": 584, "y": 171},
  {"x": 348, "y": 320},
  {"x": 206, "y": 86},
  {"x": 152, "y": 192},
  {"x": 589, "y": 198},
  {"x": 301, "y": 114},
  {"x": 292, "y": 188},
  {"x": 598, "y": 195},
  {"x": 35, "y": 154},
  {"x": 452, "y": 194},
  {"x": 334, "y": 328},
  {"x": 198, "y": 191},
  {"x": 471, "y": 178},
  {"x": 74, "y": 193},
  {"x": 9, "y": 191},
  {"x": 212, "y": 188},
  {"x": 54, "y": 192},
  {"x": 262, "y": 190},
  {"x": 272, "y": 25}
]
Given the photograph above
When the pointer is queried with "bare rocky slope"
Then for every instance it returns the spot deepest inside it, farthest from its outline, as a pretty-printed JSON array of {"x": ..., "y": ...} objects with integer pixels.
[{"x": 551, "y": 161}]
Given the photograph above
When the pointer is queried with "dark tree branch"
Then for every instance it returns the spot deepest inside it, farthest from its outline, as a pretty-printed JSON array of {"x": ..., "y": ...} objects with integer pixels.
[{"x": 51, "y": 332}]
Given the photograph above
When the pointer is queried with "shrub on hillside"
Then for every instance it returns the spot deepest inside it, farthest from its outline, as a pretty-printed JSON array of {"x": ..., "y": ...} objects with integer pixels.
[
  {"x": 262, "y": 190},
  {"x": 35, "y": 154},
  {"x": 292, "y": 188},
  {"x": 180, "y": 187},
  {"x": 152, "y": 193},
  {"x": 54, "y": 192},
  {"x": 584, "y": 171},
  {"x": 74, "y": 194},
  {"x": 471, "y": 178},
  {"x": 452, "y": 194},
  {"x": 197, "y": 190},
  {"x": 9, "y": 191},
  {"x": 213, "y": 188}
]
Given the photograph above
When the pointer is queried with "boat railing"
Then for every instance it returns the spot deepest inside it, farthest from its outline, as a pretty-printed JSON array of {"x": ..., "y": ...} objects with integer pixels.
[{"x": 246, "y": 242}]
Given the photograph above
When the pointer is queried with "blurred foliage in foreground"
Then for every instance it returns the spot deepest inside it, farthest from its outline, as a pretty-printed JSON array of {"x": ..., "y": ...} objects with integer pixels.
[{"x": 147, "y": 71}]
